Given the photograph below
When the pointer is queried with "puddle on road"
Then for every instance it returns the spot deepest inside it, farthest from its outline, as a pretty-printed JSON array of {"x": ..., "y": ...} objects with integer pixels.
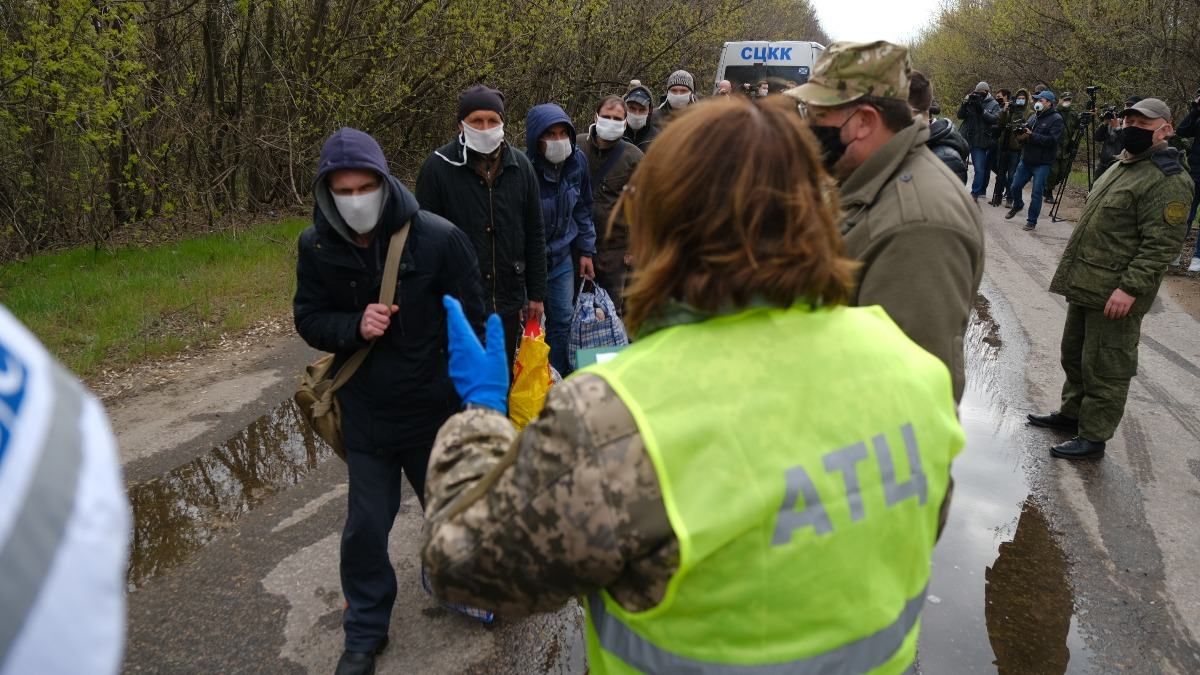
[
  {"x": 1000, "y": 600},
  {"x": 178, "y": 513}
]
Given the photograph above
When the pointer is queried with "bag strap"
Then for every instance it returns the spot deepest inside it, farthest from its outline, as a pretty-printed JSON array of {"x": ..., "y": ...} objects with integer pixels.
[
  {"x": 387, "y": 293},
  {"x": 617, "y": 151}
]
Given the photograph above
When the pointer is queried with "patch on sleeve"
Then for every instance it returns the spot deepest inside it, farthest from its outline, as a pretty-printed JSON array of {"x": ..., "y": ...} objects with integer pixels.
[{"x": 1176, "y": 213}]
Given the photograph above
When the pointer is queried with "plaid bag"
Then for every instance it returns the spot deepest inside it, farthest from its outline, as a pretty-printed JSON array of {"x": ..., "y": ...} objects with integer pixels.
[{"x": 594, "y": 322}]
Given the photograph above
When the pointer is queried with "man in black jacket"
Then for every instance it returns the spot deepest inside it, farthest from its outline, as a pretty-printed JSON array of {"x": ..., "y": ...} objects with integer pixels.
[
  {"x": 490, "y": 190},
  {"x": 944, "y": 141},
  {"x": 394, "y": 404},
  {"x": 980, "y": 112},
  {"x": 1039, "y": 141},
  {"x": 1190, "y": 128}
]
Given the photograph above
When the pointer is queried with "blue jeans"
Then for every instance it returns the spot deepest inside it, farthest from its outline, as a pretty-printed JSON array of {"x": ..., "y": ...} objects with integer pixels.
[
  {"x": 560, "y": 292},
  {"x": 982, "y": 159},
  {"x": 1040, "y": 174}
]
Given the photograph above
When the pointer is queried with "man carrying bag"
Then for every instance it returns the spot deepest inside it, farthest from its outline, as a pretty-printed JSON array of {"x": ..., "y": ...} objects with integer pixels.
[{"x": 392, "y": 404}]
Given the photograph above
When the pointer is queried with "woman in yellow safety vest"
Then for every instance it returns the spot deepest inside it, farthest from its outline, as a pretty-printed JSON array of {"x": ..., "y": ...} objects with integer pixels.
[{"x": 756, "y": 484}]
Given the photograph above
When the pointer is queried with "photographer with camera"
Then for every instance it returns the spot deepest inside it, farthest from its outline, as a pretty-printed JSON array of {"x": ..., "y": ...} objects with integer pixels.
[
  {"x": 1039, "y": 139},
  {"x": 1008, "y": 149},
  {"x": 1190, "y": 128},
  {"x": 1108, "y": 135},
  {"x": 1061, "y": 169},
  {"x": 980, "y": 114}
]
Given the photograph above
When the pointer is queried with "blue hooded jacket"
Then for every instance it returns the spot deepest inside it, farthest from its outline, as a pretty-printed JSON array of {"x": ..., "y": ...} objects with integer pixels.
[{"x": 566, "y": 190}]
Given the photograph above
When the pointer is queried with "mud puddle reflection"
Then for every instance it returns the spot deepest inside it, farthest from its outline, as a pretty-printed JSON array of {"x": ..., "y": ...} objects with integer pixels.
[
  {"x": 1000, "y": 600},
  {"x": 178, "y": 513}
]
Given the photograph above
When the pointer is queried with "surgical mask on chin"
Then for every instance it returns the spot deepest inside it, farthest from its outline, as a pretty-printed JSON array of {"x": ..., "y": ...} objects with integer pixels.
[
  {"x": 1039, "y": 107},
  {"x": 1136, "y": 140},
  {"x": 636, "y": 122},
  {"x": 557, "y": 152},
  {"x": 678, "y": 101},
  {"x": 609, "y": 130},
  {"x": 483, "y": 141},
  {"x": 361, "y": 212}
]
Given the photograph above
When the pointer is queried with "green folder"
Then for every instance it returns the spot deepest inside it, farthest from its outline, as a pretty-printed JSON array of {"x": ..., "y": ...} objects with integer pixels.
[{"x": 587, "y": 357}]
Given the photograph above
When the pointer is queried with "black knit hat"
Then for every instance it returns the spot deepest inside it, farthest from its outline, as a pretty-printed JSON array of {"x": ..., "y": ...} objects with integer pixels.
[{"x": 480, "y": 97}]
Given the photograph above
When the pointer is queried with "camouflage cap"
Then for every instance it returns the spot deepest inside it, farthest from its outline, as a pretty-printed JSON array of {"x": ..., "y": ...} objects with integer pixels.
[{"x": 848, "y": 71}]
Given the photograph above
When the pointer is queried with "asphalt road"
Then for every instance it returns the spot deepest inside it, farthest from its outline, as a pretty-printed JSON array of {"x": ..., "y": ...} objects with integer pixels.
[{"x": 1046, "y": 566}]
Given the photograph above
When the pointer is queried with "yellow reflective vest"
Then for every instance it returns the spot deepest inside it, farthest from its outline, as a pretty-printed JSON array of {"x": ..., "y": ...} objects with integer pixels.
[{"x": 803, "y": 457}]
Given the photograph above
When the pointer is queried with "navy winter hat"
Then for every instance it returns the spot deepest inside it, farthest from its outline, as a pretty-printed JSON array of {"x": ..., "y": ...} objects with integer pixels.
[
  {"x": 351, "y": 149},
  {"x": 480, "y": 97}
]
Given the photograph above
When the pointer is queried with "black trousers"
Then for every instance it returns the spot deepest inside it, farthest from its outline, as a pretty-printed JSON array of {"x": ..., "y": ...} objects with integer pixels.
[{"x": 368, "y": 578}]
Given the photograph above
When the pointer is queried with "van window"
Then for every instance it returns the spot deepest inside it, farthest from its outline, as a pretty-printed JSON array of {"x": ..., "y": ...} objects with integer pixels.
[{"x": 777, "y": 76}]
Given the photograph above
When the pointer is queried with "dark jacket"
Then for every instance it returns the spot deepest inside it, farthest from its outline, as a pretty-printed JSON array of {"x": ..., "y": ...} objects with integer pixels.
[
  {"x": 1041, "y": 145},
  {"x": 566, "y": 189},
  {"x": 1010, "y": 115},
  {"x": 1110, "y": 145},
  {"x": 980, "y": 117},
  {"x": 402, "y": 393},
  {"x": 949, "y": 146},
  {"x": 503, "y": 219},
  {"x": 1190, "y": 128},
  {"x": 607, "y": 189},
  {"x": 646, "y": 135},
  {"x": 1133, "y": 224}
]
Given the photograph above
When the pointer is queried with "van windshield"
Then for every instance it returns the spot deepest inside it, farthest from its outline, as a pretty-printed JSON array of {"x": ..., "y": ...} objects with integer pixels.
[{"x": 779, "y": 77}]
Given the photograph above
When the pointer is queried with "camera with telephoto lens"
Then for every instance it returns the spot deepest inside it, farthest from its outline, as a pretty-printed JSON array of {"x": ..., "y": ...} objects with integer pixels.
[{"x": 1091, "y": 91}]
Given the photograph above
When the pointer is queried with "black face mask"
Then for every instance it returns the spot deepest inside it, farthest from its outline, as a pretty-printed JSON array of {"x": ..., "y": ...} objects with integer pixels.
[
  {"x": 1136, "y": 140},
  {"x": 831, "y": 143}
]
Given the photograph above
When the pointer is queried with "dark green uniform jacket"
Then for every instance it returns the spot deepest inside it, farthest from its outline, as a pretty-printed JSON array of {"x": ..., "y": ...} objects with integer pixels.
[{"x": 1132, "y": 227}]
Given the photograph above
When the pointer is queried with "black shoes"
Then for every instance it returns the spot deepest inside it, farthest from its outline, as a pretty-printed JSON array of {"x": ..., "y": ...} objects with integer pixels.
[
  {"x": 1048, "y": 199},
  {"x": 1078, "y": 448},
  {"x": 1029, "y": 227},
  {"x": 359, "y": 663},
  {"x": 1012, "y": 212},
  {"x": 1055, "y": 421},
  {"x": 995, "y": 201}
]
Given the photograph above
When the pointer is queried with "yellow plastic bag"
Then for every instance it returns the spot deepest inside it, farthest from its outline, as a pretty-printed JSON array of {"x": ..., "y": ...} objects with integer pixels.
[{"x": 531, "y": 377}]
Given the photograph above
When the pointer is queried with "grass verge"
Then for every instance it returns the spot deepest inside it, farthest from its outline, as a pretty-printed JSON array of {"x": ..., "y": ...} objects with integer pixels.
[
  {"x": 110, "y": 309},
  {"x": 1079, "y": 179}
]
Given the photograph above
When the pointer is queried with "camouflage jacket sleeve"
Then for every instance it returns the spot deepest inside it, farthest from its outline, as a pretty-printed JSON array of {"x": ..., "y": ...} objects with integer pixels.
[
  {"x": 520, "y": 523},
  {"x": 1162, "y": 224}
]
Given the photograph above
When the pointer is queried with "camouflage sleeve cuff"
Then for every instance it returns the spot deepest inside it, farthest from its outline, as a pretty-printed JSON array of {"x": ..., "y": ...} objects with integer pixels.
[{"x": 469, "y": 446}]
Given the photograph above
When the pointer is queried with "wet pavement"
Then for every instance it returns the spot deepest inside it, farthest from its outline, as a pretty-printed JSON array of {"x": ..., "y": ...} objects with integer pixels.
[{"x": 1000, "y": 599}]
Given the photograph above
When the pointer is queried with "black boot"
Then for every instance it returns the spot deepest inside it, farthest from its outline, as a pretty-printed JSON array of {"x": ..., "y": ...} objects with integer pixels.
[
  {"x": 1078, "y": 448},
  {"x": 1013, "y": 211},
  {"x": 1055, "y": 420},
  {"x": 359, "y": 663}
]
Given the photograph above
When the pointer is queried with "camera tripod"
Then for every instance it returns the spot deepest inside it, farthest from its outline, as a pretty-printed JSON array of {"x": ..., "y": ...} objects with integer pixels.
[{"x": 1084, "y": 132}]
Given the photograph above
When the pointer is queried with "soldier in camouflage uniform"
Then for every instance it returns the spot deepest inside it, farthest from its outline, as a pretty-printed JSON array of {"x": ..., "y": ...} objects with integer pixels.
[
  {"x": 1132, "y": 226},
  {"x": 525, "y": 521},
  {"x": 908, "y": 221},
  {"x": 1065, "y": 159}
]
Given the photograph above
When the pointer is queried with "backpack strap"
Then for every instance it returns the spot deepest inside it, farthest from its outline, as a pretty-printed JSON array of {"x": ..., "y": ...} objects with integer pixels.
[{"x": 387, "y": 293}]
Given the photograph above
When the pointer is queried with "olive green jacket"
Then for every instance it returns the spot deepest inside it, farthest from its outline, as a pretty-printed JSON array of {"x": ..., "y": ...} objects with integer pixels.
[
  {"x": 912, "y": 225},
  {"x": 1133, "y": 225}
]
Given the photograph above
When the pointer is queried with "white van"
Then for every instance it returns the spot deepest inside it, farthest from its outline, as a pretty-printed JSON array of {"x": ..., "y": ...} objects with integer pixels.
[{"x": 782, "y": 64}]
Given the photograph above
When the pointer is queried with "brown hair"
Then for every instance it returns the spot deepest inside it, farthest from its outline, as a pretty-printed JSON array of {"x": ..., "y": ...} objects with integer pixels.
[
  {"x": 611, "y": 99},
  {"x": 732, "y": 204},
  {"x": 920, "y": 92}
]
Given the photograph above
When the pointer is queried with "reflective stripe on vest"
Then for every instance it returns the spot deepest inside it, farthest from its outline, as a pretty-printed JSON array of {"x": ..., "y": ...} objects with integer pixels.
[
  {"x": 28, "y": 556},
  {"x": 859, "y": 656}
]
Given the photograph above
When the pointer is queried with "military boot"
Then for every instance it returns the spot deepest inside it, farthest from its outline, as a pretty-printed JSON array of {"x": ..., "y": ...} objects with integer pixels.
[
  {"x": 1078, "y": 448},
  {"x": 1055, "y": 420}
]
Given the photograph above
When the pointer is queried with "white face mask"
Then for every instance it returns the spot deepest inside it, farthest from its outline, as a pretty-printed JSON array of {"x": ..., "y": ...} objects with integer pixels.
[
  {"x": 1020, "y": 101},
  {"x": 678, "y": 101},
  {"x": 763, "y": 91},
  {"x": 1039, "y": 106},
  {"x": 636, "y": 122},
  {"x": 484, "y": 142},
  {"x": 361, "y": 212},
  {"x": 557, "y": 151},
  {"x": 610, "y": 130}
]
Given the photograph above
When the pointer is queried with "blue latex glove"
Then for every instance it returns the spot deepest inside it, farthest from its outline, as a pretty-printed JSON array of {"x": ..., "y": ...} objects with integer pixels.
[{"x": 481, "y": 377}]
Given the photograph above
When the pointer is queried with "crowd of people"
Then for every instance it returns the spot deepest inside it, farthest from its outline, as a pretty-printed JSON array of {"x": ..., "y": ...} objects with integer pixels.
[{"x": 784, "y": 423}]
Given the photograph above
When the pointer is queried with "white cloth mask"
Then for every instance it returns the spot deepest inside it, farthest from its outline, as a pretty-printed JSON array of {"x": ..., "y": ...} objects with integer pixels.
[
  {"x": 678, "y": 101},
  {"x": 361, "y": 212},
  {"x": 484, "y": 141},
  {"x": 636, "y": 122},
  {"x": 557, "y": 152},
  {"x": 610, "y": 130}
]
